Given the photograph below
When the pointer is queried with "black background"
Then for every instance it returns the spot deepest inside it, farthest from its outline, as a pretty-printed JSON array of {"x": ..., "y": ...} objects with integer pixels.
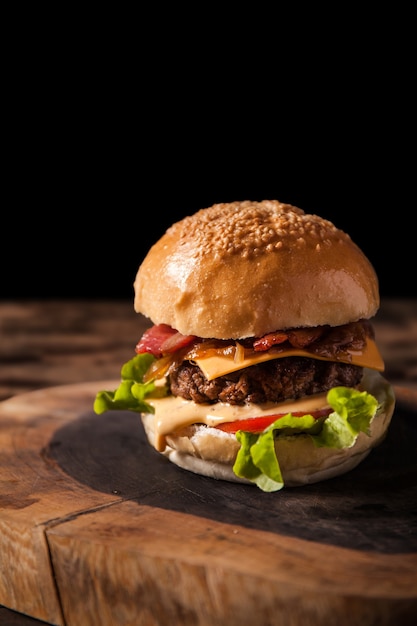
[
  {"x": 107, "y": 147},
  {"x": 80, "y": 222}
]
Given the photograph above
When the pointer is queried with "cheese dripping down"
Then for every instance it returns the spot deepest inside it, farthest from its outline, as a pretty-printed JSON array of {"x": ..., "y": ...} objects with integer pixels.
[{"x": 173, "y": 413}]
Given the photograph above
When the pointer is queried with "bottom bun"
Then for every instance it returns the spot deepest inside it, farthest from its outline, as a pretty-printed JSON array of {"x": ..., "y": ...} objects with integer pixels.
[{"x": 212, "y": 452}]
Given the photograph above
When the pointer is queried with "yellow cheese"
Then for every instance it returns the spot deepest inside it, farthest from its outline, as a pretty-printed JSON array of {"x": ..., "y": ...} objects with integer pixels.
[
  {"x": 173, "y": 413},
  {"x": 219, "y": 365}
]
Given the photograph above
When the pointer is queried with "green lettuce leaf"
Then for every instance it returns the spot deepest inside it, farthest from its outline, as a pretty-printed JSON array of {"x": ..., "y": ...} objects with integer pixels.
[
  {"x": 353, "y": 412},
  {"x": 132, "y": 392}
]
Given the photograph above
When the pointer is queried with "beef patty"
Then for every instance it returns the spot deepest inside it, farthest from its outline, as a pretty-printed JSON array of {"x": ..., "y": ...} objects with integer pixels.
[{"x": 274, "y": 381}]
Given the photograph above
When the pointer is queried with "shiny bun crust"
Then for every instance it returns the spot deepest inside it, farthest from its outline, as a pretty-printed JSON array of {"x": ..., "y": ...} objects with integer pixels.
[
  {"x": 243, "y": 269},
  {"x": 211, "y": 452}
]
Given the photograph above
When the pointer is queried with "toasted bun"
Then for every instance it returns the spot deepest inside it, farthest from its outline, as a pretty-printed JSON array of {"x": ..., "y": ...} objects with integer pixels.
[
  {"x": 244, "y": 269},
  {"x": 212, "y": 452}
]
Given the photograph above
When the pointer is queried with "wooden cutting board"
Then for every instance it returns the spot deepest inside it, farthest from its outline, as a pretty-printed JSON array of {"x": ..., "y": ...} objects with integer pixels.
[{"x": 97, "y": 528}]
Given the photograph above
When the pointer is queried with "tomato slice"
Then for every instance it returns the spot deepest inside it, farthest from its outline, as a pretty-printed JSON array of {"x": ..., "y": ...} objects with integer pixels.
[{"x": 258, "y": 424}]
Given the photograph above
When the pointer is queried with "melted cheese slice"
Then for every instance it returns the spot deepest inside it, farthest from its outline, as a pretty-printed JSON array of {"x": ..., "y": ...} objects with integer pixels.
[
  {"x": 173, "y": 413},
  {"x": 214, "y": 366}
]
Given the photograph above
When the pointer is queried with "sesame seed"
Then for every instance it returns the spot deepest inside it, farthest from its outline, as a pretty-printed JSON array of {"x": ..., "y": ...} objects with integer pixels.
[{"x": 252, "y": 228}]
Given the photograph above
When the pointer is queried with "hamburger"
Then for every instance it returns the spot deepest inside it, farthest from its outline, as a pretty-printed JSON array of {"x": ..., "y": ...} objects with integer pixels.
[{"x": 260, "y": 363}]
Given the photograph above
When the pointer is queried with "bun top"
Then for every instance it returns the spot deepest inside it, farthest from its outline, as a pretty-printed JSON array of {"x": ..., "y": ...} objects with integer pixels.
[{"x": 243, "y": 269}]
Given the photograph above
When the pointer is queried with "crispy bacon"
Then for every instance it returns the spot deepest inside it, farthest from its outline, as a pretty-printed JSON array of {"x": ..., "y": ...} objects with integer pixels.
[
  {"x": 161, "y": 340},
  {"x": 269, "y": 340},
  {"x": 176, "y": 342}
]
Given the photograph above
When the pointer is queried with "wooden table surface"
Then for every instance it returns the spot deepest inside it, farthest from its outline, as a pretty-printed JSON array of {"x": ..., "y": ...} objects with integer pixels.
[{"x": 48, "y": 343}]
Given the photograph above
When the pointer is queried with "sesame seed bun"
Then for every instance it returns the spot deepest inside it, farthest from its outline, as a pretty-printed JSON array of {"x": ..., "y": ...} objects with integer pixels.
[{"x": 243, "y": 269}]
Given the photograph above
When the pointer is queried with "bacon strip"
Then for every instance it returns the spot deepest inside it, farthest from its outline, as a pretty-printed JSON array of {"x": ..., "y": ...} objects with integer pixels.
[{"x": 161, "y": 340}]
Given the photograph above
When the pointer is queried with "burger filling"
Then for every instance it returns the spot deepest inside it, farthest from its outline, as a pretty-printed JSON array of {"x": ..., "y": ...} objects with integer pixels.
[
  {"x": 274, "y": 380},
  {"x": 239, "y": 382}
]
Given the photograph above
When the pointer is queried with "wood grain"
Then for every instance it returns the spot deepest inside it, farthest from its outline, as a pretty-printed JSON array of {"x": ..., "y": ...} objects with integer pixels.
[
  {"x": 97, "y": 528},
  {"x": 48, "y": 343},
  {"x": 34, "y": 495}
]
